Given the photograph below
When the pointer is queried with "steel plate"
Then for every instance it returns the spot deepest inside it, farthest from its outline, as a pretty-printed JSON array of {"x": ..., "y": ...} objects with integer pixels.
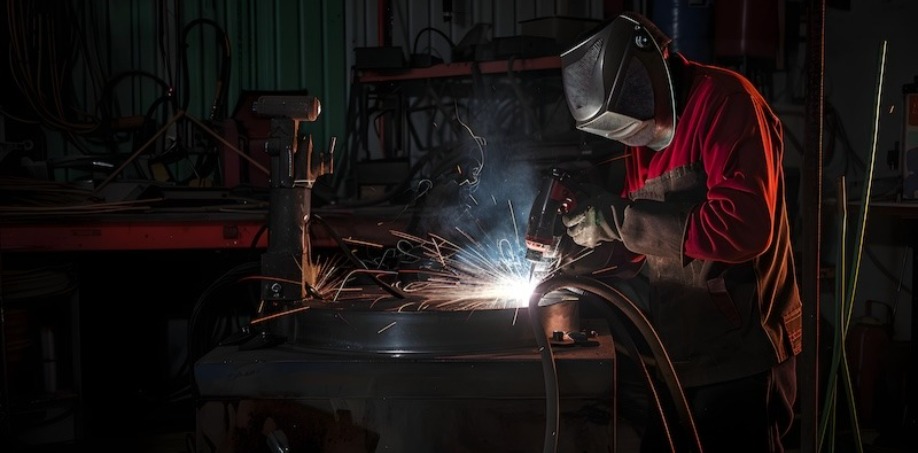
[{"x": 374, "y": 326}]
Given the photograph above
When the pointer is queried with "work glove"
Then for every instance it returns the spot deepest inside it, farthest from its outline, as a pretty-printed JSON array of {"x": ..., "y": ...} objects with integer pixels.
[{"x": 599, "y": 220}]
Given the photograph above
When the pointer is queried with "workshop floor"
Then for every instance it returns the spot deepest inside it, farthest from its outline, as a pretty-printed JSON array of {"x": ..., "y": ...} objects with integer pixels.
[{"x": 181, "y": 440}]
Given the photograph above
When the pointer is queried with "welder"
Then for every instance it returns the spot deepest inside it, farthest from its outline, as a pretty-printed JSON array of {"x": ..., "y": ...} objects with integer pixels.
[{"x": 703, "y": 211}]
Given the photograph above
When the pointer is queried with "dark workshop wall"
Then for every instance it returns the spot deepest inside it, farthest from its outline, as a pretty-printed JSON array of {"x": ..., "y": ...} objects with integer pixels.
[
  {"x": 132, "y": 48},
  {"x": 368, "y": 27}
]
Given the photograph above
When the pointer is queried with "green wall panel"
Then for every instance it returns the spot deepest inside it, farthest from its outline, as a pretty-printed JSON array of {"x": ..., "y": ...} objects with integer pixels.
[{"x": 274, "y": 45}]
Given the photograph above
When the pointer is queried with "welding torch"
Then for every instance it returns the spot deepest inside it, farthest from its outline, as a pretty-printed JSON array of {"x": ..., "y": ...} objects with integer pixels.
[{"x": 556, "y": 197}]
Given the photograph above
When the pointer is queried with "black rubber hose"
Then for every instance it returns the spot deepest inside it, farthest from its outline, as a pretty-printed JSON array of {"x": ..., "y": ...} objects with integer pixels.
[
  {"x": 550, "y": 373},
  {"x": 625, "y": 306}
]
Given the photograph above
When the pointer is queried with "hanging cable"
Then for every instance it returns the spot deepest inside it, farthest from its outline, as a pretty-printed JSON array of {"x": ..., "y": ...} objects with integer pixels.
[
  {"x": 218, "y": 104},
  {"x": 198, "y": 344},
  {"x": 417, "y": 37},
  {"x": 623, "y": 307}
]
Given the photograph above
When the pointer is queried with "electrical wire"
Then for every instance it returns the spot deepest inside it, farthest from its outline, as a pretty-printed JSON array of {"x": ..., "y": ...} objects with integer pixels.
[
  {"x": 162, "y": 39},
  {"x": 256, "y": 238},
  {"x": 27, "y": 197},
  {"x": 106, "y": 110},
  {"x": 500, "y": 109},
  {"x": 624, "y": 307},
  {"x": 222, "y": 83},
  {"x": 352, "y": 141},
  {"x": 197, "y": 344},
  {"x": 417, "y": 37},
  {"x": 631, "y": 350},
  {"x": 47, "y": 42},
  {"x": 38, "y": 68},
  {"x": 403, "y": 185}
]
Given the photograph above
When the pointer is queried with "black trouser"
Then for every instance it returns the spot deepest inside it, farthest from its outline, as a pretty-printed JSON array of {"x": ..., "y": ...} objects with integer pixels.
[{"x": 746, "y": 415}]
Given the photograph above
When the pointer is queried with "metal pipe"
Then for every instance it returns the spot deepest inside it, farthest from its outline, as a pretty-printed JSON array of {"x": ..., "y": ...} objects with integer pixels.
[{"x": 808, "y": 381}]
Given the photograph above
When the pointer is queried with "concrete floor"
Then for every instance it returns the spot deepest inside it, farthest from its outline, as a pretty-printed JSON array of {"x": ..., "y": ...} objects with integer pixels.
[
  {"x": 176, "y": 434},
  {"x": 183, "y": 442}
]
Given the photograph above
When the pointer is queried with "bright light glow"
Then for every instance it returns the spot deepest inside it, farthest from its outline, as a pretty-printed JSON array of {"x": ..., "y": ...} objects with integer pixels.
[
  {"x": 472, "y": 277},
  {"x": 468, "y": 291},
  {"x": 515, "y": 289}
]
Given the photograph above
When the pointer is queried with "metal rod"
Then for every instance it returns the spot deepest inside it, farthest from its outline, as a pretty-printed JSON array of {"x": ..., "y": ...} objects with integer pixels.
[
  {"x": 228, "y": 144},
  {"x": 808, "y": 382},
  {"x": 841, "y": 268},
  {"x": 865, "y": 198},
  {"x": 847, "y": 302},
  {"x": 140, "y": 150}
]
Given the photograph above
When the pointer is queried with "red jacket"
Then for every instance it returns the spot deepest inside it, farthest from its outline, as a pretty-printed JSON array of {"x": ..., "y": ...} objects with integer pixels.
[{"x": 710, "y": 220}]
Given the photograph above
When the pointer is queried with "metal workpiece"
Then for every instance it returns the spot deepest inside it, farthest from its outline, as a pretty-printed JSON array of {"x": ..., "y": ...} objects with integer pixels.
[
  {"x": 406, "y": 333},
  {"x": 358, "y": 328}
]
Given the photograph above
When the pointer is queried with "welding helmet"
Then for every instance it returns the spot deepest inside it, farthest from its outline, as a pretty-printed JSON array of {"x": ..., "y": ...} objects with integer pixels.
[{"x": 618, "y": 85}]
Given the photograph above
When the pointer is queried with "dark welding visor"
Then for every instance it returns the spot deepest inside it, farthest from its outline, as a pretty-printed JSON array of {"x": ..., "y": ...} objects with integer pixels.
[{"x": 616, "y": 79}]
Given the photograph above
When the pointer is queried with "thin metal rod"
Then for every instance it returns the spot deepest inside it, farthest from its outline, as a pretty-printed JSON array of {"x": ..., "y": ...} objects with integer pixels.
[
  {"x": 827, "y": 424},
  {"x": 847, "y": 303},
  {"x": 229, "y": 145},
  {"x": 865, "y": 199},
  {"x": 179, "y": 114},
  {"x": 808, "y": 381}
]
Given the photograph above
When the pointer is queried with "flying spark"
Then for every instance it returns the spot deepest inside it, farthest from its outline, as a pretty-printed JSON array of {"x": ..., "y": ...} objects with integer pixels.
[{"x": 473, "y": 276}]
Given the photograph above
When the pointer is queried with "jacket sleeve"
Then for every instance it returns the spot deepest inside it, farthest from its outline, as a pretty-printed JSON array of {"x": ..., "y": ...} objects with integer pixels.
[
  {"x": 655, "y": 228},
  {"x": 740, "y": 150}
]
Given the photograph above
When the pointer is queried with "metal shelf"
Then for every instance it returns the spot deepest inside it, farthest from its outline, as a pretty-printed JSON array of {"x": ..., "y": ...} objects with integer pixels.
[
  {"x": 134, "y": 234},
  {"x": 186, "y": 231},
  {"x": 462, "y": 69}
]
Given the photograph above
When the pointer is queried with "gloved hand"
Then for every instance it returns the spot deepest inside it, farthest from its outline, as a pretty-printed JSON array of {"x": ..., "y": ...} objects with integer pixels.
[{"x": 599, "y": 220}]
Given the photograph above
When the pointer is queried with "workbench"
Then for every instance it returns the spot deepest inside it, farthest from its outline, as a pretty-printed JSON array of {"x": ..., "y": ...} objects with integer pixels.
[
  {"x": 102, "y": 328},
  {"x": 184, "y": 231},
  {"x": 315, "y": 400}
]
